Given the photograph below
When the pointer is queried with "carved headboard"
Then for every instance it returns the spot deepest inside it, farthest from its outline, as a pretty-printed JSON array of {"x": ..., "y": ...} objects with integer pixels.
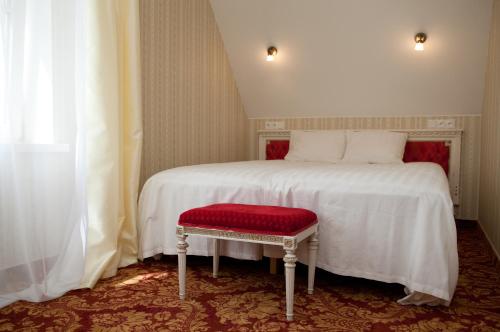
[{"x": 440, "y": 146}]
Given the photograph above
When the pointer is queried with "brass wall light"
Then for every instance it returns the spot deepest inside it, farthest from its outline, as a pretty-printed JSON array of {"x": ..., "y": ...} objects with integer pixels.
[
  {"x": 271, "y": 53},
  {"x": 420, "y": 39}
]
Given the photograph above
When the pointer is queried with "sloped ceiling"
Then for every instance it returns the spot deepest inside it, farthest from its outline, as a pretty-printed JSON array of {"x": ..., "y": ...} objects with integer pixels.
[{"x": 356, "y": 57}]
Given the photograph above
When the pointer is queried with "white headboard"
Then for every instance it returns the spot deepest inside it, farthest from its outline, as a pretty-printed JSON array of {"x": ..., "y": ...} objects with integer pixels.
[{"x": 453, "y": 138}]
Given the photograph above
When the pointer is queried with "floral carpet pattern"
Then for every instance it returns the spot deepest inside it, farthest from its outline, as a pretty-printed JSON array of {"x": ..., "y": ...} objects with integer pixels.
[{"x": 143, "y": 297}]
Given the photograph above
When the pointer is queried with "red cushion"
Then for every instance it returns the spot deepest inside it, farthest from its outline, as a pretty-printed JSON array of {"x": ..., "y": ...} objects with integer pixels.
[
  {"x": 262, "y": 219},
  {"x": 436, "y": 152},
  {"x": 277, "y": 149}
]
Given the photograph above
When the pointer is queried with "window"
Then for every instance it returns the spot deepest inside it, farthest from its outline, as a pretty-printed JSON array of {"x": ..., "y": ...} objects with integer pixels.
[{"x": 35, "y": 62}]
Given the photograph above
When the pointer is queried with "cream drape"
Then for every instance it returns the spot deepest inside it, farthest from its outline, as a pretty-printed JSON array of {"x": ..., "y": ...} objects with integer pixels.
[{"x": 114, "y": 136}]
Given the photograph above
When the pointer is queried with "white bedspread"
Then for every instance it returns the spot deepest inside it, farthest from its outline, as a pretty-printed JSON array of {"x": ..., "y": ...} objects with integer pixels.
[{"x": 392, "y": 223}]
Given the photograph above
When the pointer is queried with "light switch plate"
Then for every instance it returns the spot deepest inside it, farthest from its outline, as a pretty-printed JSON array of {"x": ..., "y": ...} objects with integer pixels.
[
  {"x": 446, "y": 123},
  {"x": 273, "y": 125}
]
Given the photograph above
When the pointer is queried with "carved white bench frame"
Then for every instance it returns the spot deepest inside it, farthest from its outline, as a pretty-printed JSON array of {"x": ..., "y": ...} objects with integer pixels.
[{"x": 289, "y": 244}]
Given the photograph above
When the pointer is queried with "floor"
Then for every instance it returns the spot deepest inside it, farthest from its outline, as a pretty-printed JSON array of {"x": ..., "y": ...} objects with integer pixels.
[{"x": 143, "y": 297}]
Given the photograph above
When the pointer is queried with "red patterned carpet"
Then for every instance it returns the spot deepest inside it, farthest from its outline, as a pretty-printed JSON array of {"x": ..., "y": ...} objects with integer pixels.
[{"x": 144, "y": 297}]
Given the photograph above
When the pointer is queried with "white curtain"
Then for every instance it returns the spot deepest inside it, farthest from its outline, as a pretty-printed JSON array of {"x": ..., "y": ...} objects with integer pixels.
[{"x": 42, "y": 151}]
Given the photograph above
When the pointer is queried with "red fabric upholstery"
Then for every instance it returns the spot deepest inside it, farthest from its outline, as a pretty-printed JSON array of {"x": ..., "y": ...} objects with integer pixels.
[
  {"x": 436, "y": 152},
  {"x": 277, "y": 149},
  {"x": 262, "y": 219}
]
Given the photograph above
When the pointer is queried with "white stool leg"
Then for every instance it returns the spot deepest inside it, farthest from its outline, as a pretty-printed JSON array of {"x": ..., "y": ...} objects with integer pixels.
[
  {"x": 290, "y": 260},
  {"x": 181, "y": 255},
  {"x": 216, "y": 258},
  {"x": 313, "y": 254}
]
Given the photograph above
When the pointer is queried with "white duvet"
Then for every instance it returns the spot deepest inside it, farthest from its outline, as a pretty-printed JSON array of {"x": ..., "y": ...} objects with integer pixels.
[{"x": 392, "y": 223}]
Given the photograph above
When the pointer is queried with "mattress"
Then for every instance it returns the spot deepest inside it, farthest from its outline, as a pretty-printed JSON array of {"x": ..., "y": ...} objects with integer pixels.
[{"x": 387, "y": 222}]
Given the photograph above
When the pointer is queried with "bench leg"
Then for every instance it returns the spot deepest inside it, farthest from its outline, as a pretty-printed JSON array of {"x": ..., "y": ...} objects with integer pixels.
[
  {"x": 181, "y": 254},
  {"x": 273, "y": 265},
  {"x": 290, "y": 260},
  {"x": 216, "y": 258},
  {"x": 313, "y": 254}
]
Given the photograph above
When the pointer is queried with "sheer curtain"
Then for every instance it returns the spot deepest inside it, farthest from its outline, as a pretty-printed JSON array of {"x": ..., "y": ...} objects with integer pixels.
[{"x": 42, "y": 148}]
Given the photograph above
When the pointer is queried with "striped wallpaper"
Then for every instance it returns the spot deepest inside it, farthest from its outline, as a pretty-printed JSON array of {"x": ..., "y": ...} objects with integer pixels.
[
  {"x": 192, "y": 109},
  {"x": 489, "y": 199},
  {"x": 471, "y": 125}
]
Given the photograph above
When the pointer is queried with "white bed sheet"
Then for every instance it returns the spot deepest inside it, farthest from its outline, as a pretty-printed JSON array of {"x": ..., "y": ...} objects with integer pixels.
[{"x": 391, "y": 223}]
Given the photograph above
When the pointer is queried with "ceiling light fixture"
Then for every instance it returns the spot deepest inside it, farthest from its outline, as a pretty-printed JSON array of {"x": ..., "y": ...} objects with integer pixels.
[
  {"x": 271, "y": 53},
  {"x": 420, "y": 39}
]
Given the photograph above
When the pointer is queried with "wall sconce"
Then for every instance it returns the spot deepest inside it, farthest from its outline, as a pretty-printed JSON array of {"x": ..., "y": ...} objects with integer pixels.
[
  {"x": 271, "y": 53},
  {"x": 420, "y": 39}
]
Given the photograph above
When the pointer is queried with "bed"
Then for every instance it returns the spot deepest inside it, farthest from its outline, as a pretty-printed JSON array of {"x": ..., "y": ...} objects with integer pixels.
[{"x": 386, "y": 222}]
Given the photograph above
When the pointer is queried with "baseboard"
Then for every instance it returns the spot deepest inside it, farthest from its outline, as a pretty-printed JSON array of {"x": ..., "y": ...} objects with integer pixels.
[{"x": 489, "y": 240}]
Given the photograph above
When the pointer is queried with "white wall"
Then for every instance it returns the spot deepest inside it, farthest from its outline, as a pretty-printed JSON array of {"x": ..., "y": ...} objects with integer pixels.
[{"x": 356, "y": 57}]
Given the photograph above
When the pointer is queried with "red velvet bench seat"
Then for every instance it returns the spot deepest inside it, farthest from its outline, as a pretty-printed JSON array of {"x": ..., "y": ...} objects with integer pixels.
[{"x": 273, "y": 225}]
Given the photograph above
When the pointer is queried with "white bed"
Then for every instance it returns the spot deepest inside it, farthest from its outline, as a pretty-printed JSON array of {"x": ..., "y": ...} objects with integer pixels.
[{"x": 392, "y": 223}]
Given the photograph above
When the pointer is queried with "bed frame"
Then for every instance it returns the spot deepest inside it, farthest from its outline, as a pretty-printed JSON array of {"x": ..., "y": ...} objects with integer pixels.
[{"x": 451, "y": 138}]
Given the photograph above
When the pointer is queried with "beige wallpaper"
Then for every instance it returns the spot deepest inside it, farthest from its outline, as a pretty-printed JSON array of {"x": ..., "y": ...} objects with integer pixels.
[
  {"x": 192, "y": 109},
  {"x": 469, "y": 167},
  {"x": 489, "y": 198}
]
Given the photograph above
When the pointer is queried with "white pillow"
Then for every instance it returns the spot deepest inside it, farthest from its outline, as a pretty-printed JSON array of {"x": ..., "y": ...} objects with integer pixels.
[
  {"x": 320, "y": 145},
  {"x": 375, "y": 147}
]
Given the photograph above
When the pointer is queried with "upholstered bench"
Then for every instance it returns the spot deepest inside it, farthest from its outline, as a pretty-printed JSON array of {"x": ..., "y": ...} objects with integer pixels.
[{"x": 272, "y": 225}]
